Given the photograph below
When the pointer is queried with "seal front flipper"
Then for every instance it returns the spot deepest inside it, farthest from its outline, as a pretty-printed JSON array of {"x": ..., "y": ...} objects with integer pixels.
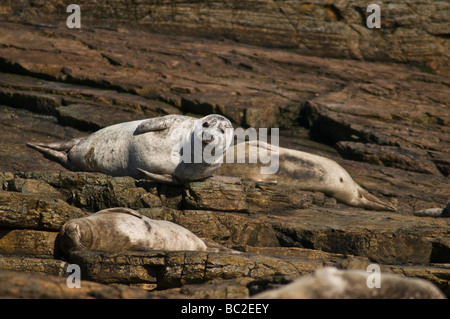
[
  {"x": 155, "y": 124},
  {"x": 57, "y": 151},
  {"x": 160, "y": 178}
]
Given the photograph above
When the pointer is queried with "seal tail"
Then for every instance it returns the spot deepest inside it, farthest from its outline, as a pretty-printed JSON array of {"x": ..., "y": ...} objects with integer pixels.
[
  {"x": 56, "y": 151},
  {"x": 367, "y": 200}
]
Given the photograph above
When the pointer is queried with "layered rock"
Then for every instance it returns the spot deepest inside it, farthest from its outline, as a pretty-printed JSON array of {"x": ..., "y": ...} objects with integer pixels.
[
  {"x": 29, "y": 236},
  {"x": 414, "y": 31},
  {"x": 385, "y": 123}
]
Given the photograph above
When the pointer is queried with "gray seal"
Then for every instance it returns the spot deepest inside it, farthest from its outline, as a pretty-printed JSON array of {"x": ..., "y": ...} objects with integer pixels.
[
  {"x": 304, "y": 171},
  {"x": 162, "y": 149},
  {"x": 332, "y": 283},
  {"x": 124, "y": 229}
]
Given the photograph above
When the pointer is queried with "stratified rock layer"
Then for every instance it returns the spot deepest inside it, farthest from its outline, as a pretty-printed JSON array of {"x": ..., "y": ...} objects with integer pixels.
[{"x": 387, "y": 124}]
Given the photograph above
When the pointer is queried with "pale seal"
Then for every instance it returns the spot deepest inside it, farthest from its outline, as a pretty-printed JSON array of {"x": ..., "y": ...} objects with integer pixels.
[
  {"x": 303, "y": 171},
  {"x": 435, "y": 212},
  {"x": 124, "y": 229},
  {"x": 160, "y": 149},
  {"x": 331, "y": 283}
]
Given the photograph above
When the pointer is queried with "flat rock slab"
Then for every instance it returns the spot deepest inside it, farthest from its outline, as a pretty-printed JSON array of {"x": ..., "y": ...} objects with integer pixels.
[
  {"x": 382, "y": 237},
  {"x": 31, "y": 211},
  {"x": 175, "y": 269},
  {"x": 31, "y": 285},
  {"x": 34, "y": 265},
  {"x": 27, "y": 242}
]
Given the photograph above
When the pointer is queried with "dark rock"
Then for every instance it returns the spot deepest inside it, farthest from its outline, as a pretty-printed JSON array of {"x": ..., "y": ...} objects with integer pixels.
[{"x": 405, "y": 158}]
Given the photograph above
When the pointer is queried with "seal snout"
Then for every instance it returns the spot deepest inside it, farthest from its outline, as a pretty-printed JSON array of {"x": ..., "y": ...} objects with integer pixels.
[
  {"x": 71, "y": 237},
  {"x": 215, "y": 129}
]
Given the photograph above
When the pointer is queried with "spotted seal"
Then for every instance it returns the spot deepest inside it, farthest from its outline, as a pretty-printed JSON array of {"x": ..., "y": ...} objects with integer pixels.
[
  {"x": 163, "y": 149},
  {"x": 305, "y": 171},
  {"x": 333, "y": 283}
]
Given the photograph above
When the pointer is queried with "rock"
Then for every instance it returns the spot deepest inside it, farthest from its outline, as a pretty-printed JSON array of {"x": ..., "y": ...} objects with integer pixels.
[
  {"x": 413, "y": 32},
  {"x": 226, "y": 193},
  {"x": 94, "y": 191},
  {"x": 382, "y": 237},
  {"x": 404, "y": 158},
  {"x": 31, "y": 211},
  {"x": 230, "y": 229},
  {"x": 31, "y": 186},
  {"x": 373, "y": 100},
  {"x": 27, "y": 242},
  {"x": 223, "y": 289},
  {"x": 34, "y": 265},
  {"x": 24, "y": 285},
  {"x": 176, "y": 269}
]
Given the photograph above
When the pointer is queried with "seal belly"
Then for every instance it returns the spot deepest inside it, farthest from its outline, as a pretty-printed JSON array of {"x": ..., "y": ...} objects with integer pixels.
[{"x": 105, "y": 151}]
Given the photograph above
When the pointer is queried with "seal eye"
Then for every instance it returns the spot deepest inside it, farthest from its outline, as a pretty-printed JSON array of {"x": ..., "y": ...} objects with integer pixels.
[
  {"x": 205, "y": 124},
  {"x": 222, "y": 131}
]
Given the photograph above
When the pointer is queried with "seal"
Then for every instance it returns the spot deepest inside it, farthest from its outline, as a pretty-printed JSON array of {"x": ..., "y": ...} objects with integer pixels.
[
  {"x": 332, "y": 283},
  {"x": 124, "y": 229},
  {"x": 301, "y": 170},
  {"x": 435, "y": 212},
  {"x": 166, "y": 149}
]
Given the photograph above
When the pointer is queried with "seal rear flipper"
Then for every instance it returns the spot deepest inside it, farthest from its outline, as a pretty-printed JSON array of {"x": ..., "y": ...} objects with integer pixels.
[
  {"x": 57, "y": 151},
  {"x": 160, "y": 178},
  {"x": 367, "y": 200}
]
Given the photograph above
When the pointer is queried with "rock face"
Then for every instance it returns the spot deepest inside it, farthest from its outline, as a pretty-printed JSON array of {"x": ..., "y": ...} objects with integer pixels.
[
  {"x": 387, "y": 124},
  {"x": 415, "y": 31}
]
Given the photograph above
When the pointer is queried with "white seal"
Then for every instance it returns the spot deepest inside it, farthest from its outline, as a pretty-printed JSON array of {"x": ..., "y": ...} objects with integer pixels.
[
  {"x": 332, "y": 283},
  {"x": 304, "y": 171},
  {"x": 168, "y": 149}
]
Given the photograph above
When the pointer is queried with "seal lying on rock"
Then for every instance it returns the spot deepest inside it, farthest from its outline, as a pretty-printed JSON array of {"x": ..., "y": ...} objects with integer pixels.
[
  {"x": 160, "y": 149},
  {"x": 331, "y": 283},
  {"x": 435, "y": 212},
  {"x": 304, "y": 171},
  {"x": 124, "y": 229}
]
